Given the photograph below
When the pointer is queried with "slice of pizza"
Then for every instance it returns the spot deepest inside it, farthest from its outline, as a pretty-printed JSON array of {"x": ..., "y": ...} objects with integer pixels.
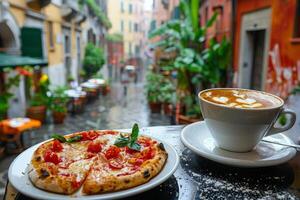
[
  {"x": 125, "y": 163},
  {"x": 61, "y": 165}
]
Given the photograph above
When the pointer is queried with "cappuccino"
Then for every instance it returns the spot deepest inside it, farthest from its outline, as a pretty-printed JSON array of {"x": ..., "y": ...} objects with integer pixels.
[{"x": 241, "y": 98}]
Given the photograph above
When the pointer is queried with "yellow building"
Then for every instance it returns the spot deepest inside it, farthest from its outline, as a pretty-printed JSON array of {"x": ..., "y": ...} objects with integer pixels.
[
  {"x": 54, "y": 30},
  {"x": 126, "y": 17},
  {"x": 44, "y": 29}
]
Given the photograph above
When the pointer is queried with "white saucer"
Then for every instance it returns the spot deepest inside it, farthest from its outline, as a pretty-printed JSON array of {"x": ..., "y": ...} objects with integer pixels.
[{"x": 197, "y": 138}]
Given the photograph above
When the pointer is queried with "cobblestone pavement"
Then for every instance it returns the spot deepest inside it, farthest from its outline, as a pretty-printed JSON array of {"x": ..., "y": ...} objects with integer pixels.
[{"x": 114, "y": 111}]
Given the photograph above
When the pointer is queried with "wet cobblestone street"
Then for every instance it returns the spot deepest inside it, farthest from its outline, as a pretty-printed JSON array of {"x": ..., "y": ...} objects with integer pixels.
[{"x": 114, "y": 111}]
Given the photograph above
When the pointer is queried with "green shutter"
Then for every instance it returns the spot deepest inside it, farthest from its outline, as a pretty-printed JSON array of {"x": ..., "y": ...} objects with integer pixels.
[{"x": 31, "y": 39}]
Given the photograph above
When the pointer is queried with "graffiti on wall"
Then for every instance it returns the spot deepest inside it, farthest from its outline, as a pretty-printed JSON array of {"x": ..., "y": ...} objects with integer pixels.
[{"x": 281, "y": 78}]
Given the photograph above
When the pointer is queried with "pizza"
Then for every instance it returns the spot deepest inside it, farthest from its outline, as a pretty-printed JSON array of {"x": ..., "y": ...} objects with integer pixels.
[{"x": 96, "y": 162}]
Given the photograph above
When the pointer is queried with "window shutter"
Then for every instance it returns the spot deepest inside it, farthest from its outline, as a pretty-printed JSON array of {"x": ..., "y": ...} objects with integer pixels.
[{"x": 31, "y": 40}]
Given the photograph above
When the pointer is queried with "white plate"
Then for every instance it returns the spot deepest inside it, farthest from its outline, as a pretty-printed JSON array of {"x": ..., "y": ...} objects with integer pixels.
[
  {"x": 197, "y": 138},
  {"x": 18, "y": 177}
]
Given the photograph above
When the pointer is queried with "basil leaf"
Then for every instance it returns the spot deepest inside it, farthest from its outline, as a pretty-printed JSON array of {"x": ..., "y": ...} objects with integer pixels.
[
  {"x": 135, "y": 146},
  {"x": 130, "y": 141},
  {"x": 134, "y": 133},
  {"x": 74, "y": 139},
  {"x": 59, "y": 137},
  {"x": 121, "y": 141}
]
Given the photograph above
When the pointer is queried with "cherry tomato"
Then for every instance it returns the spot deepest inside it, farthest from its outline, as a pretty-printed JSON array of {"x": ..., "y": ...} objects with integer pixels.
[
  {"x": 130, "y": 151},
  {"x": 110, "y": 132},
  {"x": 89, "y": 135},
  {"x": 148, "y": 153},
  {"x": 57, "y": 146},
  {"x": 94, "y": 147},
  {"x": 144, "y": 142},
  {"x": 112, "y": 152},
  {"x": 75, "y": 184},
  {"x": 50, "y": 156},
  {"x": 115, "y": 165}
]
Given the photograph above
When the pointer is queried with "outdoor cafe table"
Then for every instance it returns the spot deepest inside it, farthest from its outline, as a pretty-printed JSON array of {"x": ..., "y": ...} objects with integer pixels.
[{"x": 199, "y": 178}]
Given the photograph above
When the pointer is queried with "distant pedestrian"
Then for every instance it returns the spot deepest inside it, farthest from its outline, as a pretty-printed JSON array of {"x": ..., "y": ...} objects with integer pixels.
[{"x": 124, "y": 81}]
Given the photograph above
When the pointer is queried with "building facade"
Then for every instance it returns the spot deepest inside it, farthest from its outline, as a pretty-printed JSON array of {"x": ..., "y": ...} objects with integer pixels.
[
  {"x": 223, "y": 24},
  {"x": 126, "y": 17},
  {"x": 267, "y": 45},
  {"x": 56, "y": 31}
]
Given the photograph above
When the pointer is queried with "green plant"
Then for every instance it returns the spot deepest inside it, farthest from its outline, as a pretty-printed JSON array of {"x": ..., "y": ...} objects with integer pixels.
[
  {"x": 59, "y": 100},
  {"x": 40, "y": 97},
  {"x": 167, "y": 91},
  {"x": 115, "y": 37},
  {"x": 93, "y": 60},
  {"x": 296, "y": 90},
  {"x": 97, "y": 11},
  {"x": 191, "y": 106},
  {"x": 186, "y": 38},
  {"x": 153, "y": 87},
  {"x": 98, "y": 75},
  {"x": 70, "y": 78},
  {"x": 7, "y": 95}
]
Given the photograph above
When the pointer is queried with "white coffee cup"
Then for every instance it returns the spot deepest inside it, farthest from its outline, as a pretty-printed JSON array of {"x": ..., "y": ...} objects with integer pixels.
[{"x": 241, "y": 129}]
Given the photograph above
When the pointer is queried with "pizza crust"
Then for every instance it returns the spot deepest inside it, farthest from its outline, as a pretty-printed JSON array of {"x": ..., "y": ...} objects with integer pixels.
[{"x": 50, "y": 183}]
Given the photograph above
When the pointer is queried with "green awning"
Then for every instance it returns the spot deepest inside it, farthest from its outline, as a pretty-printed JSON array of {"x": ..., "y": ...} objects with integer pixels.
[{"x": 14, "y": 61}]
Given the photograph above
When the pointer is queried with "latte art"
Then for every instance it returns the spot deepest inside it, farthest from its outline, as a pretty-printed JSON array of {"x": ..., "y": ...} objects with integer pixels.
[{"x": 240, "y": 98}]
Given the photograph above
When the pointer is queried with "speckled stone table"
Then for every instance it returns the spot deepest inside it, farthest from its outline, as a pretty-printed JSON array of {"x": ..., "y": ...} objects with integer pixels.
[{"x": 199, "y": 178}]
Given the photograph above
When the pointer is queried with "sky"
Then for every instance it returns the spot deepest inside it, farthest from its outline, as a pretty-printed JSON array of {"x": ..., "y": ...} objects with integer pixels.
[{"x": 148, "y": 4}]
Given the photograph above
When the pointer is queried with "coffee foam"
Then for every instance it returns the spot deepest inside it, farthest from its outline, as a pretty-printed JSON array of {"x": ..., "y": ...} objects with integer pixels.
[{"x": 241, "y": 98}]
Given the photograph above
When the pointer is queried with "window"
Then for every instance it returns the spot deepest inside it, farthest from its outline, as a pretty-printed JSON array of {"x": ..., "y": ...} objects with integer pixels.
[
  {"x": 130, "y": 48},
  {"x": 136, "y": 27},
  {"x": 31, "y": 42},
  {"x": 137, "y": 49},
  {"x": 297, "y": 21},
  {"x": 50, "y": 29},
  {"x": 122, "y": 6},
  {"x": 130, "y": 26},
  {"x": 130, "y": 8},
  {"x": 122, "y": 26},
  {"x": 219, "y": 20}
]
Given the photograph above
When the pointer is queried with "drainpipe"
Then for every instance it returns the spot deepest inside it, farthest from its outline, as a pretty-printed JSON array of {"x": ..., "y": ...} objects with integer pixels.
[{"x": 233, "y": 26}]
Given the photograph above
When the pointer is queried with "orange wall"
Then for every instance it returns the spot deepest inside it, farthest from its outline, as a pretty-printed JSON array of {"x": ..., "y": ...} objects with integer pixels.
[
  {"x": 224, "y": 18},
  {"x": 284, "y": 48}
]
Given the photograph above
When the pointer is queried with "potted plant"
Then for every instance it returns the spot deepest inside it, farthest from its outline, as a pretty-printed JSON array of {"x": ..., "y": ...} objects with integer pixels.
[
  {"x": 189, "y": 111},
  {"x": 168, "y": 94},
  {"x": 93, "y": 60},
  {"x": 39, "y": 102},
  {"x": 153, "y": 91},
  {"x": 197, "y": 67},
  {"x": 37, "y": 107},
  {"x": 6, "y": 95},
  {"x": 58, "y": 105}
]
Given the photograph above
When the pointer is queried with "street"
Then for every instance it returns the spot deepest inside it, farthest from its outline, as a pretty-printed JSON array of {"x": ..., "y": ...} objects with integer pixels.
[{"x": 113, "y": 111}]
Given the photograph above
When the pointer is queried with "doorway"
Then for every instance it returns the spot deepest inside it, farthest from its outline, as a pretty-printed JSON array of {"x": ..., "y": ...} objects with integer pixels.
[
  {"x": 254, "y": 45},
  {"x": 258, "y": 38}
]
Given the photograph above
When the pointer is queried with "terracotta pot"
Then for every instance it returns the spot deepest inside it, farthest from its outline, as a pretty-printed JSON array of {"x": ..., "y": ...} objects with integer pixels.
[
  {"x": 105, "y": 90},
  {"x": 167, "y": 108},
  {"x": 155, "y": 107},
  {"x": 59, "y": 117},
  {"x": 182, "y": 119},
  {"x": 37, "y": 112}
]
